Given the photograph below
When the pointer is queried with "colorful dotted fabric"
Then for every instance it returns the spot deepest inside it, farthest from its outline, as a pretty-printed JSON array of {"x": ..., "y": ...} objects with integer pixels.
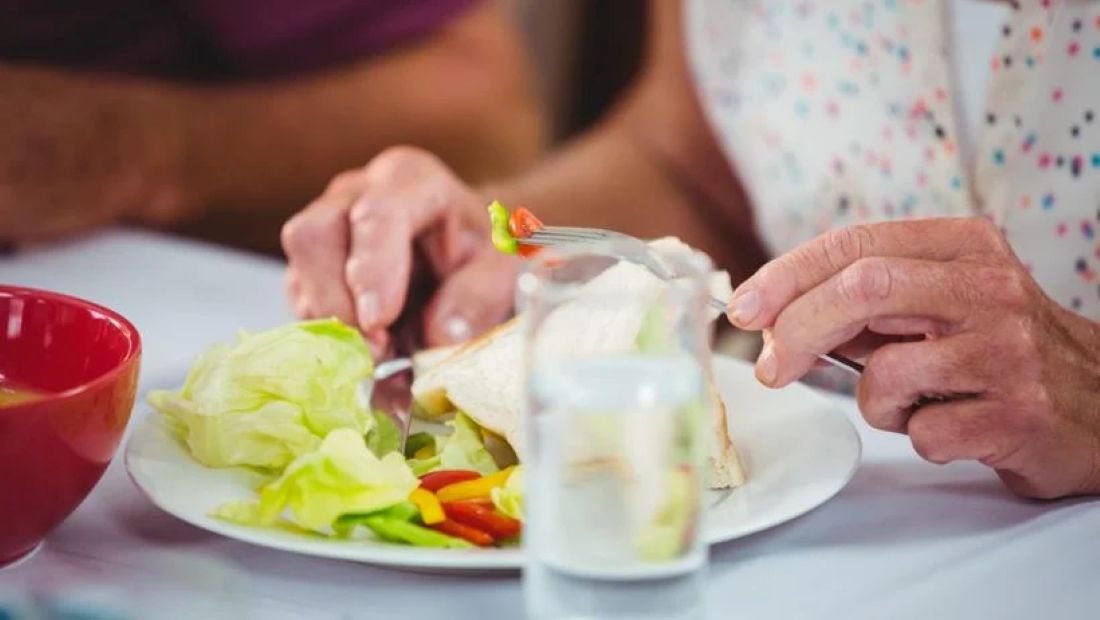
[{"x": 843, "y": 111}]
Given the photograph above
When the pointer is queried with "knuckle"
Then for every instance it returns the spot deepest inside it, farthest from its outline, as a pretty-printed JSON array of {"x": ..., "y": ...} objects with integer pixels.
[
  {"x": 296, "y": 233},
  {"x": 399, "y": 162},
  {"x": 877, "y": 389},
  {"x": 923, "y": 448},
  {"x": 869, "y": 390},
  {"x": 847, "y": 245},
  {"x": 1021, "y": 337},
  {"x": 926, "y": 442},
  {"x": 986, "y": 232},
  {"x": 866, "y": 282},
  {"x": 308, "y": 229},
  {"x": 1034, "y": 413},
  {"x": 357, "y": 272},
  {"x": 983, "y": 227},
  {"x": 344, "y": 180},
  {"x": 366, "y": 209},
  {"x": 1012, "y": 286},
  {"x": 800, "y": 260}
]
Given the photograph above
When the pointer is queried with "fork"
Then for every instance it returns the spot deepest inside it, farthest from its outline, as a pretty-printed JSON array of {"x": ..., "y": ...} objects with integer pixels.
[{"x": 634, "y": 250}]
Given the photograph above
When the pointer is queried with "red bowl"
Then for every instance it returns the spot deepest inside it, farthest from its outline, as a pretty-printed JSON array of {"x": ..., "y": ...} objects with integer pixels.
[{"x": 53, "y": 450}]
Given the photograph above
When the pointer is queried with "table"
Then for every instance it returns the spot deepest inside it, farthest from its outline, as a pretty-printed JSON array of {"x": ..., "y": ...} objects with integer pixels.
[{"x": 905, "y": 539}]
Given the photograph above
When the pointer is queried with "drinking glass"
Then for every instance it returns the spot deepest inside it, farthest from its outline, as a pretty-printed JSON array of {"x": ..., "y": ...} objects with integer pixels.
[{"x": 616, "y": 373}]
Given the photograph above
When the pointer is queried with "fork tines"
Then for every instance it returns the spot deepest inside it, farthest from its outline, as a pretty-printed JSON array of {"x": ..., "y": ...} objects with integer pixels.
[
  {"x": 565, "y": 233},
  {"x": 557, "y": 235}
]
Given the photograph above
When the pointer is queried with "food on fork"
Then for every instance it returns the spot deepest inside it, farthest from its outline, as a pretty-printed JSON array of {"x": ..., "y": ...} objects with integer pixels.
[{"x": 508, "y": 230}]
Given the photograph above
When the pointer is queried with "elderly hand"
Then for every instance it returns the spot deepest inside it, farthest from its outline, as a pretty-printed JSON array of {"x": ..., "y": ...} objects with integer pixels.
[
  {"x": 967, "y": 355},
  {"x": 355, "y": 250}
]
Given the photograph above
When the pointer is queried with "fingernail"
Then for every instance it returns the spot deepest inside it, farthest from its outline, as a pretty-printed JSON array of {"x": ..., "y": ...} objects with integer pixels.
[
  {"x": 767, "y": 366},
  {"x": 458, "y": 329},
  {"x": 367, "y": 309},
  {"x": 744, "y": 308}
]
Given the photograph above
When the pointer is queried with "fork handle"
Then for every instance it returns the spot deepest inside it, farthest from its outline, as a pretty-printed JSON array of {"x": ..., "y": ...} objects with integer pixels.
[{"x": 839, "y": 361}]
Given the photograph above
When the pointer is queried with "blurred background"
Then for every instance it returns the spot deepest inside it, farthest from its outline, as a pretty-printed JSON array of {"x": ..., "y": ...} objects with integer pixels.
[
  {"x": 586, "y": 52},
  {"x": 221, "y": 119}
]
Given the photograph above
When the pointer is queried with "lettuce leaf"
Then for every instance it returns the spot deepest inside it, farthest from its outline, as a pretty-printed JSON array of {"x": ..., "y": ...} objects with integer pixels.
[
  {"x": 463, "y": 448},
  {"x": 341, "y": 477},
  {"x": 272, "y": 395},
  {"x": 675, "y": 523},
  {"x": 385, "y": 437},
  {"x": 424, "y": 466},
  {"x": 508, "y": 499},
  {"x": 655, "y": 334}
]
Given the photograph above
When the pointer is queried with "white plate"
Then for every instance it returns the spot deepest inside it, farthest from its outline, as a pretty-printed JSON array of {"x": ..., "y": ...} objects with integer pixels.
[{"x": 798, "y": 449}]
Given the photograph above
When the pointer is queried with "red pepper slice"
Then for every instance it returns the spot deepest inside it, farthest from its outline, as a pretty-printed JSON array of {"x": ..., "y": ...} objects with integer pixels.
[
  {"x": 527, "y": 251},
  {"x": 523, "y": 223},
  {"x": 483, "y": 502},
  {"x": 485, "y": 519},
  {"x": 436, "y": 480},
  {"x": 465, "y": 532}
]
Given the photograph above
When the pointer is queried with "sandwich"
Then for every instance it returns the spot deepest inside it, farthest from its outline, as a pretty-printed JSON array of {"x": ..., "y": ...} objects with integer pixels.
[{"x": 483, "y": 378}]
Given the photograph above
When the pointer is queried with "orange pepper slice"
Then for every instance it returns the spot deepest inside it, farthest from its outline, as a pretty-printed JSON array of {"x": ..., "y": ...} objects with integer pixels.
[{"x": 473, "y": 489}]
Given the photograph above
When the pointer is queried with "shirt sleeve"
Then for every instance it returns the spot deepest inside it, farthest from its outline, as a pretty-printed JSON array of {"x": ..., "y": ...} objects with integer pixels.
[{"x": 275, "y": 38}]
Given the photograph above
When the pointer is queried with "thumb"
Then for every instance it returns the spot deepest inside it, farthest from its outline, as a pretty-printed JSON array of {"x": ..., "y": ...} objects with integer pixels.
[{"x": 472, "y": 300}]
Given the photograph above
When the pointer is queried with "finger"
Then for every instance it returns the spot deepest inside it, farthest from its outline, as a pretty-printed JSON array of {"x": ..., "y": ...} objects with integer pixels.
[
  {"x": 906, "y": 326},
  {"x": 866, "y": 343},
  {"x": 888, "y": 330},
  {"x": 472, "y": 300},
  {"x": 380, "y": 343},
  {"x": 842, "y": 307},
  {"x": 316, "y": 244},
  {"x": 294, "y": 294},
  {"x": 450, "y": 243},
  {"x": 384, "y": 228},
  {"x": 435, "y": 206},
  {"x": 379, "y": 265},
  {"x": 759, "y": 300},
  {"x": 965, "y": 430},
  {"x": 897, "y": 376}
]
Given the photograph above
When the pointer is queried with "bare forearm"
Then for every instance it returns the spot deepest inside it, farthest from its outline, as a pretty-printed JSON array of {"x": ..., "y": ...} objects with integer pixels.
[
  {"x": 296, "y": 141},
  {"x": 607, "y": 179},
  {"x": 628, "y": 175},
  {"x": 91, "y": 148},
  {"x": 465, "y": 96},
  {"x": 652, "y": 167},
  {"x": 111, "y": 144}
]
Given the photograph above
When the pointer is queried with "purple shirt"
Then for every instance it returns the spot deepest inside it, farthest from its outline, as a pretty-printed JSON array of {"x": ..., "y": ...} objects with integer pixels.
[{"x": 212, "y": 39}]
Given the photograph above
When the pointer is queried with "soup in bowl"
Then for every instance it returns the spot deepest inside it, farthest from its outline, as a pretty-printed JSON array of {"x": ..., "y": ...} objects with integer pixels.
[{"x": 68, "y": 376}]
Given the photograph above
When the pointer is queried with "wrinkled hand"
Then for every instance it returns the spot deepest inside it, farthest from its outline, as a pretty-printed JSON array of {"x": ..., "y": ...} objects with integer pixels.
[
  {"x": 967, "y": 354},
  {"x": 355, "y": 250}
]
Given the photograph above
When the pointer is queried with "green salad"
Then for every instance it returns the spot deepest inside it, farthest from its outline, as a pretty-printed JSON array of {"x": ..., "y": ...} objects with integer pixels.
[{"x": 291, "y": 402}]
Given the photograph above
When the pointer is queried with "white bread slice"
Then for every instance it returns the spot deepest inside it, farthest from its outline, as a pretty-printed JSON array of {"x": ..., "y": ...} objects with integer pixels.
[
  {"x": 426, "y": 359},
  {"x": 484, "y": 377}
]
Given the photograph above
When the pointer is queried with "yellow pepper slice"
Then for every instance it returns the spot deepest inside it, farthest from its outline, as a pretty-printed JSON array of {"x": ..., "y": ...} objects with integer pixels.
[
  {"x": 474, "y": 489},
  {"x": 431, "y": 511}
]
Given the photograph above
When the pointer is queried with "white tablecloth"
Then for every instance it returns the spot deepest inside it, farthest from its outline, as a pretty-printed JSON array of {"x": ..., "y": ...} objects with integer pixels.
[{"x": 904, "y": 540}]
